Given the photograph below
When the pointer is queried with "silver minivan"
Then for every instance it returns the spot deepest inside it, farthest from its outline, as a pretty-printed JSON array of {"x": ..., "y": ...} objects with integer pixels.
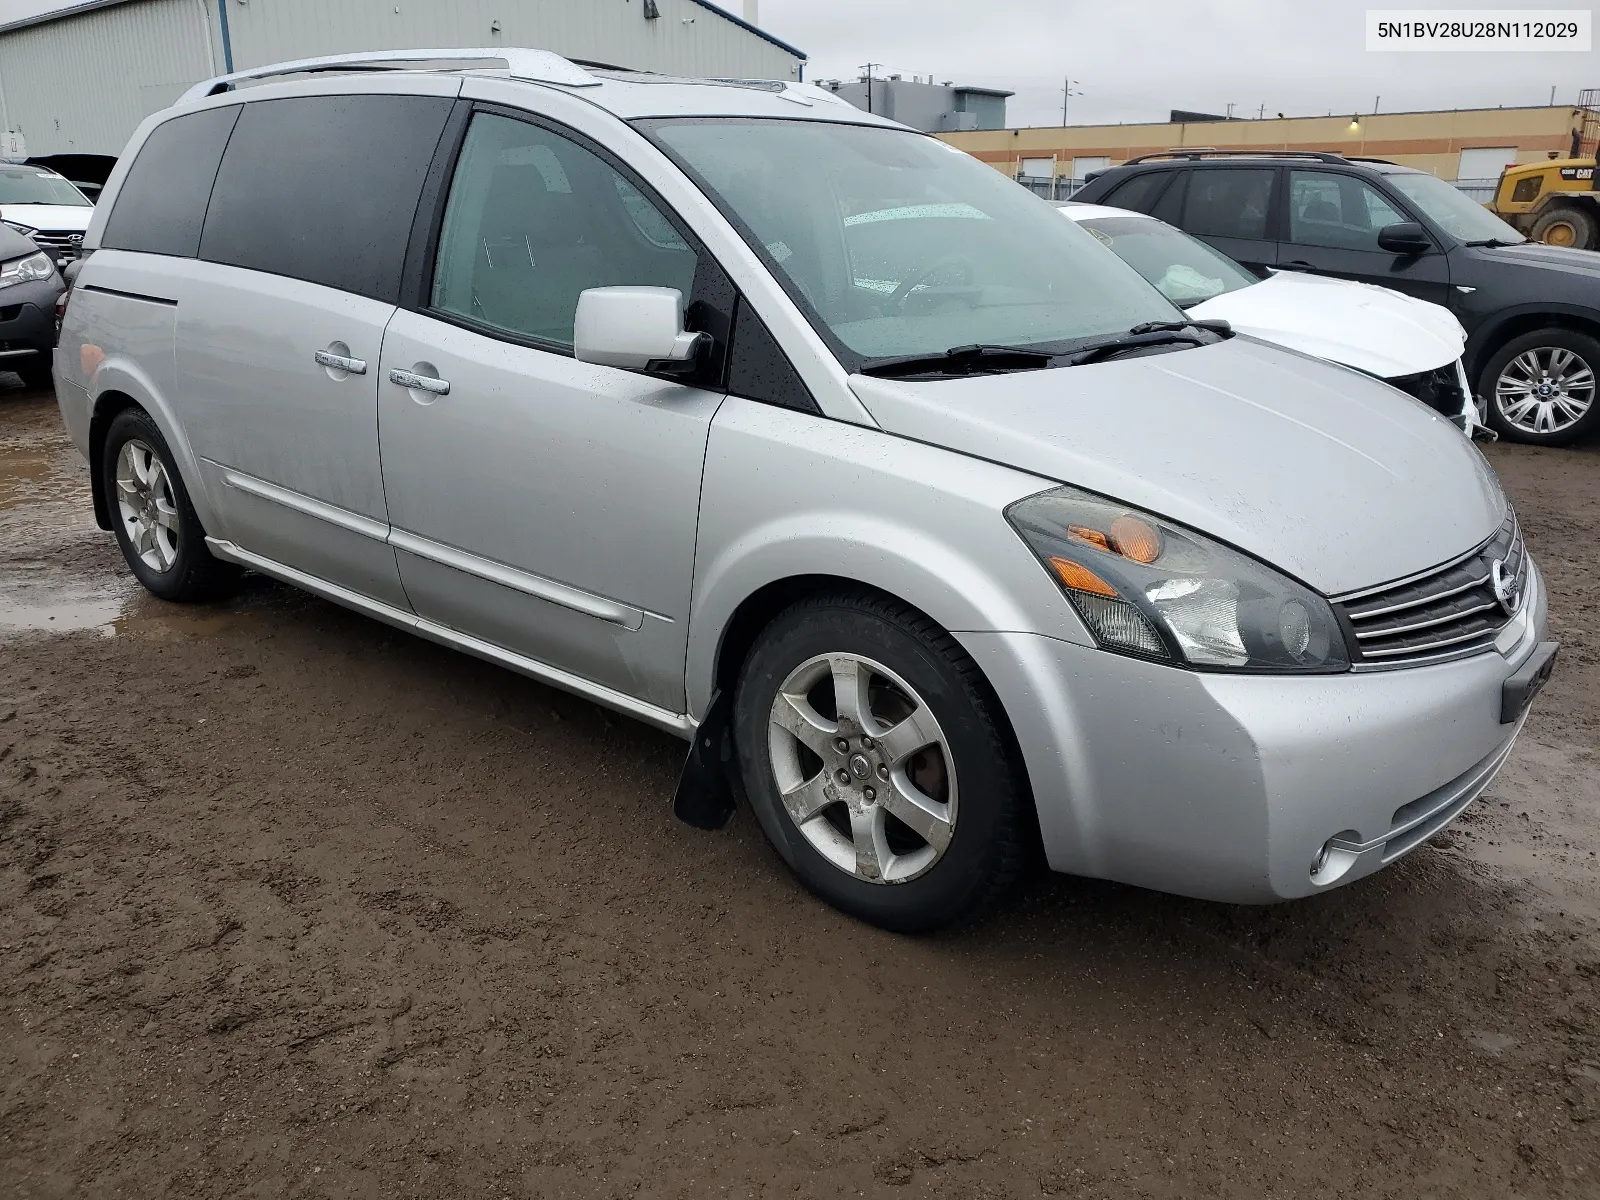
[{"x": 816, "y": 442}]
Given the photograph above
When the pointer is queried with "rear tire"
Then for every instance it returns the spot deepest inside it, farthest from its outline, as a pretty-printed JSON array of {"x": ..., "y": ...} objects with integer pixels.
[
  {"x": 1540, "y": 387},
  {"x": 1566, "y": 225},
  {"x": 35, "y": 372},
  {"x": 155, "y": 524},
  {"x": 925, "y": 741}
]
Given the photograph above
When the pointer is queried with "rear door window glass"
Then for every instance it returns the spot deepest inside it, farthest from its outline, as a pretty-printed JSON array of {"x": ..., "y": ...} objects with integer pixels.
[
  {"x": 1228, "y": 202},
  {"x": 325, "y": 188},
  {"x": 161, "y": 206},
  {"x": 533, "y": 220}
]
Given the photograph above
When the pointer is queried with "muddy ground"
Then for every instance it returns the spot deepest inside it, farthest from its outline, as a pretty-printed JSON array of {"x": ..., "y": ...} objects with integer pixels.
[{"x": 295, "y": 905}]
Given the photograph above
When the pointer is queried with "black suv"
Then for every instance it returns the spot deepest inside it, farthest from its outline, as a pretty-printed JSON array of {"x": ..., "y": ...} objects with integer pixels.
[{"x": 1531, "y": 311}]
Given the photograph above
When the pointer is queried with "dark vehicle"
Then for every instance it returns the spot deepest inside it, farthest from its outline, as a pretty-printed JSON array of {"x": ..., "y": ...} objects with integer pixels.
[
  {"x": 1531, "y": 311},
  {"x": 29, "y": 286}
]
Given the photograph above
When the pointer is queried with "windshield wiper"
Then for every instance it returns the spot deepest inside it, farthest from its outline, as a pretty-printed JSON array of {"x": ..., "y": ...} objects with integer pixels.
[
  {"x": 1495, "y": 243},
  {"x": 962, "y": 360},
  {"x": 1150, "y": 333}
]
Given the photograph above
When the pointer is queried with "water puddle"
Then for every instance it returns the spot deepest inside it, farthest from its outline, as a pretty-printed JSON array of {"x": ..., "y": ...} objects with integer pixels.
[
  {"x": 31, "y": 475},
  {"x": 53, "y": 604}
]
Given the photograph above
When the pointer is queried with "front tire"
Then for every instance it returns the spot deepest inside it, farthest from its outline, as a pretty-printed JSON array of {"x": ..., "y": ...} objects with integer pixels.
[
  {"x": 1566, "y": 225},
  {"x": 1540, "y": 387},
  {"x": 155, "y": 524},
  {"x": 878, "y": 764}
]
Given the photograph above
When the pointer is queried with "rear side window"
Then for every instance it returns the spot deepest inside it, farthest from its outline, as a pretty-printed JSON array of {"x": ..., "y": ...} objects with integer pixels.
[
  {"x": 161, "y": 206},
  {"x": 1139, "y": 193},
  {"x": 1228, "y": 202},
  {"x": 325, "y": 188}
]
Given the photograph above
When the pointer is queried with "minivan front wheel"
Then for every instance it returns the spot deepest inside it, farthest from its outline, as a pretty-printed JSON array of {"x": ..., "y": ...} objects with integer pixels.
[
  {"x": 155, "y": 524},
  {"x": 1540, "y": 387},
  {"x": 875, "y": 762}
]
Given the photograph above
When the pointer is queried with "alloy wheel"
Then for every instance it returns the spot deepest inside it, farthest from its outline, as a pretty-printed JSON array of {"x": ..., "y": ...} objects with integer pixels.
[
  {"x": 863, "y": 768},
  {"x": 146, "y": 505},
  {"x": 1545, "y": 390}
]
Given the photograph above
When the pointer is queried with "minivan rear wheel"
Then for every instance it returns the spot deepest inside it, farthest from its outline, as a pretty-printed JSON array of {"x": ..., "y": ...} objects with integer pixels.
[
  {"x": 1540, "y": 387},
  {"x": 876, "y": 761},
  {"x": 155, "y": 524}
]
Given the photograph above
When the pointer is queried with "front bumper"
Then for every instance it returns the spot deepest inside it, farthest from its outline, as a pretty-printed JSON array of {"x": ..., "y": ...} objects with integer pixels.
[
  {"x": 28, "y": 319},
  {"x": 1228, "y": 787}
]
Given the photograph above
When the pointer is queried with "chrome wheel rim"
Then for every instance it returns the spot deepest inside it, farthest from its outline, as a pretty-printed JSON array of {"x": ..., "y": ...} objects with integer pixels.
[
  {"x": 146, "y": 505},
  {"x": 1547, "y": 389},
  {"x": 863, "y": 768}
]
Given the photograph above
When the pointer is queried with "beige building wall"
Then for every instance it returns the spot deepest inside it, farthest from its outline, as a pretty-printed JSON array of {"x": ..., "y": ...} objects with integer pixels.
[{"x": 1431, "y": 141}]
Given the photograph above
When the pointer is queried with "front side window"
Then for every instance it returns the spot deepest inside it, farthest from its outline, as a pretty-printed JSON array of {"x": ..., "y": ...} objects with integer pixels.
[
  {"x": 533, "y": 220},
  {"x": 1140, "y": 192},
  {"x": 1228, "y": 202},
  {"x": 1184, "y": 269},
  {"x": 29, "y": 185},
  {"x": 1339, "y": 212},
  {"x": 897, "y": 244},
  {"x": 1450, "y": 209}
]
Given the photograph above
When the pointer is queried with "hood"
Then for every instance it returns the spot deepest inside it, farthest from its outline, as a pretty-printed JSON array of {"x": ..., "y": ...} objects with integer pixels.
[
  {"x": 71, "y": 217},
  {"x": 1325, "y": 473},
  {"x": 1376, "y": 330},
  {"x": 1538, "y": 256}
]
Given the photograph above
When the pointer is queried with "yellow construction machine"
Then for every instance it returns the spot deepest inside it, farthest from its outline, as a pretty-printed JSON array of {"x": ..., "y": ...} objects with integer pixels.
[{"x": 1557, "y": 201}]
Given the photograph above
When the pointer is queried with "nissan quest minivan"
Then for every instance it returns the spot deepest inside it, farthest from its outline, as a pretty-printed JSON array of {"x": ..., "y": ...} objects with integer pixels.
[{"x": 812, "y": 440}]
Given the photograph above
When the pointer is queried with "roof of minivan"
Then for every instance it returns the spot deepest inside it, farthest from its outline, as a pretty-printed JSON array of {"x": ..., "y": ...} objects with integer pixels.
[{"x": 628, "y": 94}]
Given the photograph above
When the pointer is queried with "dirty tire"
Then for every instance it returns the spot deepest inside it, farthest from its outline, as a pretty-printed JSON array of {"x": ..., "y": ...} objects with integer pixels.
[
  {"x": 1540, "y": 344},
  {"x": 194, "y": 575},
  {"x": 988, "y": 845},
  {"x": 1567, "y": 225}
]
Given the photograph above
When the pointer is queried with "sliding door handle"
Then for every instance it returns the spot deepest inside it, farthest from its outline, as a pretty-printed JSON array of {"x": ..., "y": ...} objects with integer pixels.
[
  {"x": 341, "y": 362},
  {"x": 421, "y": 383}
]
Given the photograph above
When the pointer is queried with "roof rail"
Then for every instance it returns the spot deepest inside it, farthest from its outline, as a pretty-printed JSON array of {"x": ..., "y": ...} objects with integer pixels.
[
  {"x": 1388, "y": 162},
  {"x": 535, "y": 66},
  {"x": 1208, "y": 152}
]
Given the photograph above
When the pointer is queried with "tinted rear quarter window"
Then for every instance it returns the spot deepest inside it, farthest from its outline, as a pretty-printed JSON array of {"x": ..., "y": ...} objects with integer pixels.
[
  {"x": 1228, "y": 202},
  {"x": 161, "y": 206},
  {"x": 1139, "y": 193},
  {"x": 325, "y": 188}
]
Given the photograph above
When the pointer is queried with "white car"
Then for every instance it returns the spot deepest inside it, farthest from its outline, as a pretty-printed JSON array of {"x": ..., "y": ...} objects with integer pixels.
[
  {"x": 41, "y": 204},
  {"x": 1410, "y": 344}
]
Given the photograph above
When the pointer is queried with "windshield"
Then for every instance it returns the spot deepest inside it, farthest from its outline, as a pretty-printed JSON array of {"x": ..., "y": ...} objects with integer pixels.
[
  {"x": 28, "y": 186},
  {"x": 897, "y": 244},
  {"x": 1184, "y": 269},
  {"x": 1445, "y": 205}
]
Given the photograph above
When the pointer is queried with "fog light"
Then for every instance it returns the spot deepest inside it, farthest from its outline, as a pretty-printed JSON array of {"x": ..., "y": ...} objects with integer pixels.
[
  {"x": 1338, "y": 854},
  {"x": 1321, "y": 860}
]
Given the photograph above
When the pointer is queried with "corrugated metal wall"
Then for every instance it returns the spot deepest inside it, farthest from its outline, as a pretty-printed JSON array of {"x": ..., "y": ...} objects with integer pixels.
[
  {"x": 83, "y": 84},
  {"x": 614, "y": 31}
]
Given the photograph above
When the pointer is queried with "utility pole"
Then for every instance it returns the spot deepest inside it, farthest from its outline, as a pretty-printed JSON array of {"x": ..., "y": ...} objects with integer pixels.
[
  {"x": 1066, "y": 94},
  {"x": 1552, "y": 95},
  {"x": 1229, "y": 117},
  {"x": 1262, "y": 111},
  {"x": 1375, "y": 101},
  {"x": 868, "y": 70}
]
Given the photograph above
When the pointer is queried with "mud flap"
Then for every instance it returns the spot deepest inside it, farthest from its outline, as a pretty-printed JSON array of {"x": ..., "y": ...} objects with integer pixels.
[{"x": 704, "y": 797}]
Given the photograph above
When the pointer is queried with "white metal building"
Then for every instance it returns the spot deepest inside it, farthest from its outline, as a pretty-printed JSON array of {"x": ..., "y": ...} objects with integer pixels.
[{"x": 80, "y": 79}]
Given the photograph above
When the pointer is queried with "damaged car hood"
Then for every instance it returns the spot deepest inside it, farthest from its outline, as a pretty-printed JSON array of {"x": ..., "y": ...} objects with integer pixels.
[{"x": 1314, "y": 468}]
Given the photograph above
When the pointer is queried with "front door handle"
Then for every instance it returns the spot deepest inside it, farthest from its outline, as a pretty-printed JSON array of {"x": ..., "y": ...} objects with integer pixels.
[
  {"x": 1298, "y": 264},
  {"x": 422, "y": 383},
  {"x": 341, "y": 362}
]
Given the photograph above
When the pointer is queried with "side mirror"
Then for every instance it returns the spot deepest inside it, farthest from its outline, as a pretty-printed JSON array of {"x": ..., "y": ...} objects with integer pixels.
[
  {"x": 1404, "y": 237},
  {"x": 633, "y": 328}
]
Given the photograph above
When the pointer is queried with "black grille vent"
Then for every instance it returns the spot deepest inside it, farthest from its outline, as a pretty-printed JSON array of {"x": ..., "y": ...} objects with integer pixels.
[
  {"x": 1445, "y": 613},
  {"x": 1439, "y": 389}
]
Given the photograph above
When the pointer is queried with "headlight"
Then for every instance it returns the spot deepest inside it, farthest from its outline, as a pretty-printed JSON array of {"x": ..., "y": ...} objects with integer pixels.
[
  {"x": 24, "y": 270},
  {"x": 1152, "y": 589}
]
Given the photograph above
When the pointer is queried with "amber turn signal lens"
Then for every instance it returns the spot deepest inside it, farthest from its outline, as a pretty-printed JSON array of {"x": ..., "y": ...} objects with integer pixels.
[
  {"x": 1136, "y": 539},
  {"x": 1081, "y": 579},
  {"x": 1092, "y": 537}
]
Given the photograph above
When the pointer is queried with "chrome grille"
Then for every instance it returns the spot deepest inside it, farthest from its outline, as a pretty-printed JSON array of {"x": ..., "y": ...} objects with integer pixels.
[
  {"x": 1448, "y": 612},
  {"x": 63, "y": 245}
]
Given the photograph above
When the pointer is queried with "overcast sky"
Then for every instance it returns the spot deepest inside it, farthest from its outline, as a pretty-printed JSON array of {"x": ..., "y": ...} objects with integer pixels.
[
  {"x": 1137, "y": 59},
  {"x": 1134, "y": 60}
]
